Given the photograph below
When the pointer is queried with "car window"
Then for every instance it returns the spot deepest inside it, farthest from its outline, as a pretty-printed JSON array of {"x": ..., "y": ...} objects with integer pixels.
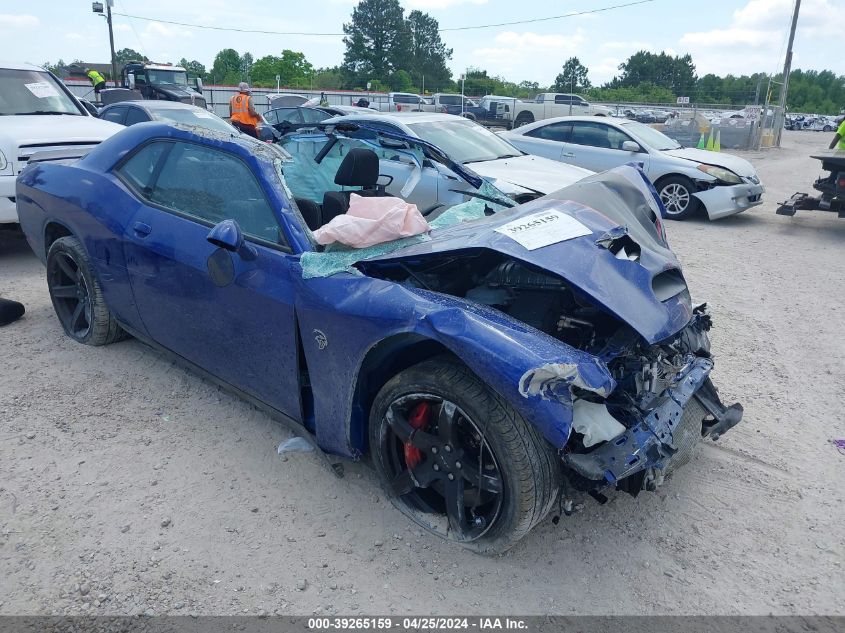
[
  {"x": 290, "y": 115},
  {"x": 311, "y": 115},
  {"x": 589, "y": 133},
  {"x": 579, "y": 101},
  {"x": 559, "y": 131},
  {"x": 450, "y": 100},
  {"x": 405, "y": 99},
  {"x": 211, "y": 186},
  {"x": 115, "y": 114},
  {"x": 564, "y": 99},
  {"x": 272, "y": 117},
  {"x": 136, "y": 115},
  {"x": 138, "y": 171},
  {"x": 617, "y": 137},
  {"x": 378, "y": 125}
]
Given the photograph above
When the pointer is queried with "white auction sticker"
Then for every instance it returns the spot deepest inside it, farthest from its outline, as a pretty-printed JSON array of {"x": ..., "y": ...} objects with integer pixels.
[
  {"x": 541, "y": 229},
  {"x": 42, "y": 89}
]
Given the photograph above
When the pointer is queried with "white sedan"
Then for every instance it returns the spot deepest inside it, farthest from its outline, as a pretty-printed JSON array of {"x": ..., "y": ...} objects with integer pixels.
[
  {"x": 520, "y": 176},
  {"x": 686, "y": 178}
]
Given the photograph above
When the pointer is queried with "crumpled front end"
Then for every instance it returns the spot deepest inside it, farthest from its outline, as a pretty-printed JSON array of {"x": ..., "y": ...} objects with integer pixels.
[{"x": 663, "y": 405}]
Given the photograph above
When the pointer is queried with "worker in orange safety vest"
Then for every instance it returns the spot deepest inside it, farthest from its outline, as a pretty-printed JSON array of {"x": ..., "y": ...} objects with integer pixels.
[{"x": 242, "y": 112}]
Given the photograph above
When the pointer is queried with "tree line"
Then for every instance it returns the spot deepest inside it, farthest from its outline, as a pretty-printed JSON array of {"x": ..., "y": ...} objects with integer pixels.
[{"x": 389, "y": 50}]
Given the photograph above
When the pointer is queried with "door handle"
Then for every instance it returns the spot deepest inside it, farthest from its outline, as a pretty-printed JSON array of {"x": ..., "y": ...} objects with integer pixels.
[
  {"x": 568, "y": 155},
  {"x": 141, "y": 229}
]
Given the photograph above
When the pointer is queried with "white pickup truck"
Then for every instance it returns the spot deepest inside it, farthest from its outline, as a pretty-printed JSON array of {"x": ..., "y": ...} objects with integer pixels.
[
  {"x": 39, "y": 114},
  {"x": 547, "y": 105}
]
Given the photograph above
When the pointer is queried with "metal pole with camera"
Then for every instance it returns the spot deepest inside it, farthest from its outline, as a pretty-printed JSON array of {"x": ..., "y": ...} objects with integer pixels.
[{"x": 97, "y": 7}]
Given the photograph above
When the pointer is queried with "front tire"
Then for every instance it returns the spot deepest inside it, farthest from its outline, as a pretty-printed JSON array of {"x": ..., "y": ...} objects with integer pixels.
[
  {"x": 77, "y": 297},
  {"x": 676, "y": 195},
  {"x": 458, "y": 460}
]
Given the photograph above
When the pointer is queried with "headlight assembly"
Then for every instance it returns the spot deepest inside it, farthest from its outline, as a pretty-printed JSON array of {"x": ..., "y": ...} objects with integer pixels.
[
  {"x": 720, "y": 173},
  {"x": 3, "y": 162}
]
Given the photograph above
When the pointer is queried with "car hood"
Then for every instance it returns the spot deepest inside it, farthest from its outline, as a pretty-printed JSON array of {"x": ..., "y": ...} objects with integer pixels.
[
  {"x": 178, "y": 93},
  {"x": 530, "y": 172},
  {"x": 615, "y": 206},
  {"x": 54, "y": 129},
  {"x": 737, "y": 165}
]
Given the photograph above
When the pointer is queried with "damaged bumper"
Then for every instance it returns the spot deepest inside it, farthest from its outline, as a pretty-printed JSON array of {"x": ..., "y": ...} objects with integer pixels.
[
  {"x": 639, "y": 457},
  {"x": 721, "y": 201}
]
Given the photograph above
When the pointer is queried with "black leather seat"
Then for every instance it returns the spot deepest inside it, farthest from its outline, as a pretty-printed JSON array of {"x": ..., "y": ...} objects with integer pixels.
[
  {"x": 311, "y": 213},
  {"x": 358, "y": 169}
]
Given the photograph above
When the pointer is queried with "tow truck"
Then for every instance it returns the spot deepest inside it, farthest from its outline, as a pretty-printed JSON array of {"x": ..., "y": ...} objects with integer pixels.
[
  {"x": 832, "y": 188},
  {"x": 166, "y": 82}
]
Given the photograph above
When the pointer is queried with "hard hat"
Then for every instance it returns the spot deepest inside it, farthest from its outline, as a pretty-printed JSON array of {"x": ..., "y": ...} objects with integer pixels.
[{"x": 243, "y": 87}]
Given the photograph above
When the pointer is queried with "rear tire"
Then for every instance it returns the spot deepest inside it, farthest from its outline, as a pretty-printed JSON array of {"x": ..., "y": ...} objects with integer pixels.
[
  {"x": 77, "y": 297},
  {"x": 675, "y": 193},
  {"x": 521, "y": 474},
  {"x": 523, "y": 118}
]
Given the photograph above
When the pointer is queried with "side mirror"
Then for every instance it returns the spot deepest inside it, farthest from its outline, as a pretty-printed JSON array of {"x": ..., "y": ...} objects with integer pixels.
[
  {"x": 130, "y": 78},
  {"x": 631, "y": 146},
  {"x": 228, "y": 236},
  {"x": 199, "y": 84},
  {"x": 90, "y": 107}
]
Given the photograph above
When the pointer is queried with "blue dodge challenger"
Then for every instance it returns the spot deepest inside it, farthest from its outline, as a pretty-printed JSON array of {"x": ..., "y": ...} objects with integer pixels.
[{"x": 517, "y": 353}]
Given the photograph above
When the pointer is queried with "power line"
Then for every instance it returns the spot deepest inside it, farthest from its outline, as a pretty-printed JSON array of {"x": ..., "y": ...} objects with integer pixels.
[{"x": 571, "y": 14}]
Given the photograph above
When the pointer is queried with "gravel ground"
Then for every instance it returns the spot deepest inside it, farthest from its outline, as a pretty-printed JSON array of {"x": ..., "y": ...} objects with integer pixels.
[{"x": 129, "y": 485}]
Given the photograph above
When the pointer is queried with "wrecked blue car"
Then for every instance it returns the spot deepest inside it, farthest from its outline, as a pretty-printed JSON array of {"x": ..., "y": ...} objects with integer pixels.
[{"x": 512, "y": 357}]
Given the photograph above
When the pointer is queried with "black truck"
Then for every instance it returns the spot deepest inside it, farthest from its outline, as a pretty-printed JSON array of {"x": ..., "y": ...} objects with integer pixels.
[{"x": 145, "y": 80}]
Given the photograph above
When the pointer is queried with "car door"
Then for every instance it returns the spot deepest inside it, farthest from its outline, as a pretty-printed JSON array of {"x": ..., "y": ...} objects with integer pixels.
[
  {"x": 232, "y": 315},
  {"x": 546, "y": 140},
  {"x": 598, "y": 146}
]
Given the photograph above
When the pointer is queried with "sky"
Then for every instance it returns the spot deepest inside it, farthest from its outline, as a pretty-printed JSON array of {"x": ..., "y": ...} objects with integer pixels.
[{"x": 723, "y": 36}]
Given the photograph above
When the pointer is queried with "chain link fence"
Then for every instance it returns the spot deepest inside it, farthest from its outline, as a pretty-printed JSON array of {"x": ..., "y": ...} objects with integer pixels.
[{"x": 694, "y": 125}]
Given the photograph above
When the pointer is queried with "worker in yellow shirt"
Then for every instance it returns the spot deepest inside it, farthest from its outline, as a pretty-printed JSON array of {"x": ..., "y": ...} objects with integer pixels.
[
  {"x": 97, "y": 80},
  {"x": 838, "y": 141},
  {"x": 242, "y": 112}
]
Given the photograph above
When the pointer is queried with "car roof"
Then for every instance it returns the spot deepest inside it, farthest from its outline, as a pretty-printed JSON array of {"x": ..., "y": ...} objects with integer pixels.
[
  {"x": 20, "y": 66},
  {"x": 404, "y": 117},
  {"x": 153, "y": 105}
]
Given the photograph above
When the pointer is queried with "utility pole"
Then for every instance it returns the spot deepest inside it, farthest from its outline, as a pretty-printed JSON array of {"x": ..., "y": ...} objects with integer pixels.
[
  {"x": 109, "y": 4},
  {"x": 787, "y": 67}
]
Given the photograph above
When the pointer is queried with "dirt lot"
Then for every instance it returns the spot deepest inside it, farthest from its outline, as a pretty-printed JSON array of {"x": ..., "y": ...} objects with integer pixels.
[{"x": 129, "y": 485}]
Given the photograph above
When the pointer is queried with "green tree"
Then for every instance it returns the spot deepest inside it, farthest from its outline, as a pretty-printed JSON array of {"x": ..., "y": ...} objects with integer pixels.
[
  {"x": 125, "y": 55},
  {"x": 329, "y": 78},
  {"x": 377, "y": 41},
  {"x": 676, "y": 74},
  {"x": 400, "y": 81},
  {"x": 226, "y": 68},
  {"x": 428, "y": 53},
  {"x": 246, "y": 66},
  {"x": 291, "y": 67},
  {"x": 573, "y": 78},
  {"x": 193, "y": 67}
]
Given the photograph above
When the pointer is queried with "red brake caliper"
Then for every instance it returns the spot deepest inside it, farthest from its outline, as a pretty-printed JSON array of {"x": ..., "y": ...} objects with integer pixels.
[{"x": 418, "y": 420}]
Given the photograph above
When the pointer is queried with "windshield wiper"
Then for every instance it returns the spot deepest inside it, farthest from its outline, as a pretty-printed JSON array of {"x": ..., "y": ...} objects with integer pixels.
[{"x": 42, "y": 112}]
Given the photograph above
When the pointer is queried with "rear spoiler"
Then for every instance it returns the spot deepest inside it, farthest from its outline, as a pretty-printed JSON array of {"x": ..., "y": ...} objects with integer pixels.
[{"x": 58, "y": 155}]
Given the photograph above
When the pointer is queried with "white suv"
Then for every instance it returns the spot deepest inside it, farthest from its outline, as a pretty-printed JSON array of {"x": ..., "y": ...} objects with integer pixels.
[{"x": 38, "y": 113}]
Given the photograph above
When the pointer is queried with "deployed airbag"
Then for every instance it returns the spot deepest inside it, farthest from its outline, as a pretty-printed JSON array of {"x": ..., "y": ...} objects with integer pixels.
[{"x": 372, "y": 220}]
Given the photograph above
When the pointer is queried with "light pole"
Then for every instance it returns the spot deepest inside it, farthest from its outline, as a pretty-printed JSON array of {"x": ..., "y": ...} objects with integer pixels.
[
  {"x": 787, "y": 67},
  {"x": 97, "y": 7}
]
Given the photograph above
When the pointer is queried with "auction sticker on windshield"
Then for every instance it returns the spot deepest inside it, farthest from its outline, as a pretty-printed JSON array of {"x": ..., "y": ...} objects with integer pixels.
[
  {"x": 42, "y": 89},
  {"x": 542, "y": 229}
]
